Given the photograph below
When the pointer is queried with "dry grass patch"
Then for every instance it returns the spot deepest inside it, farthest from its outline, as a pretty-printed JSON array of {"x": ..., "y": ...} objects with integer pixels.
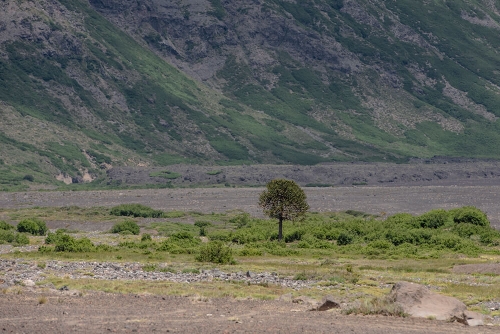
[
  {"x": 197, "y": 290},
  {"x": 378, "y": 305},
  {"x": 472, "y": 294}
]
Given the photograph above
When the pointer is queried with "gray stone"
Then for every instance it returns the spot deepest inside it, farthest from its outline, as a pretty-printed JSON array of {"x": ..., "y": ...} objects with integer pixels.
[
  {"x": 473, "y": 318},
  {"x": 29, "y": 283},
  {"x": 304, "y": 300},
  {"x": 326, "y": 304},
  {"x": 418, "y": 301},
  {"x": 286, "y": 297}
]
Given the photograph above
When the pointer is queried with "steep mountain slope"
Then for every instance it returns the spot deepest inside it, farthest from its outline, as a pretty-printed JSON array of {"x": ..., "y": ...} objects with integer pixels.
[{"x": 85, "y": 85}]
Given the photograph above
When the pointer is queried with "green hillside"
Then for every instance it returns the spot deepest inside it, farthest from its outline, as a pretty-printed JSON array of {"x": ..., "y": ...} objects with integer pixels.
[{"x": 87, "y": 85}]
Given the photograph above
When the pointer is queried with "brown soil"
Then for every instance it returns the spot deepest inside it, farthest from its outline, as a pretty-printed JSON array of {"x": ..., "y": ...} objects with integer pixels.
[
  {"x": 484, "y": 268},
  {"x": 64, "y": 312}
]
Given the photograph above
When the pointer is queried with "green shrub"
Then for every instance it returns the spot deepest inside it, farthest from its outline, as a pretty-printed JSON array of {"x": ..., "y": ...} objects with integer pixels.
[
  {"x": 224, "y": 236},
  {"x": 490, "y": 237},
  {"x": 470, "y": 215},
  {"x": 250, "y": 251},
  {"x": 466, "y": 230},
  {"x": 67, "y": 243},
  {"x": 447, "y": 240},
  {"x": 240, "y": 220},
  {"x": 5, "y": 226},
  {"x": 216, "y": 252},
  {"x": 52, "y": 238},
  {"x": 398, "y": 236},
  {"x": 10, "y": 237},
  {"x": 33, "y": 226},
  {"x": 180, "y": 243},
  {"x": 202, "y": 225},
  {"x": 128, "y": 225},
  {"x": 146, "y": 237},
  {"x": 7, "y": 236},
  {"x": 345, "y": 239},
  {"x": 433, "y": 219},
  {"x": 136, "y": 210},
  {"x": 21, "y": 239}
]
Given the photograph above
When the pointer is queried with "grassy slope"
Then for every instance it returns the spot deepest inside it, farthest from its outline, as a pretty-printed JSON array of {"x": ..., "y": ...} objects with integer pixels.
[{"x": 156, "y": 94}]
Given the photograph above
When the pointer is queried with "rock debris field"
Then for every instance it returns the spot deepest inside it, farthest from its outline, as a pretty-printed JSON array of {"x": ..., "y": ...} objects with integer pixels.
[{"x": 28, "y": 274}]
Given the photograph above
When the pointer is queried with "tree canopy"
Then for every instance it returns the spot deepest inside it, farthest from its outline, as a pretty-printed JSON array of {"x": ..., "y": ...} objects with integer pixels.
[{"x": 283, "y": 200}]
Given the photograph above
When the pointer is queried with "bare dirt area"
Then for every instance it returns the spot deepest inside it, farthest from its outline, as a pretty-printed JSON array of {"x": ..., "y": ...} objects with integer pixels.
[{"x": 70, "y": 312}]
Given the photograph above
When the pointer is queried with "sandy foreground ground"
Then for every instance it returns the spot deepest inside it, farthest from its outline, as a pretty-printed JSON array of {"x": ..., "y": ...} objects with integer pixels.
[{"x": 113, "y": 313}]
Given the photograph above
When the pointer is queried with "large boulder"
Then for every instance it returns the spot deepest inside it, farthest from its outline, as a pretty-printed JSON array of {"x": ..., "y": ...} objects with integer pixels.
[{"x": 418, "y": 301}]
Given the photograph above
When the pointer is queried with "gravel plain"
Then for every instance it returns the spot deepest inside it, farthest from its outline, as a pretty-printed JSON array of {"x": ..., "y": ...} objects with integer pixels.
[{"x": 371, "y": 199}]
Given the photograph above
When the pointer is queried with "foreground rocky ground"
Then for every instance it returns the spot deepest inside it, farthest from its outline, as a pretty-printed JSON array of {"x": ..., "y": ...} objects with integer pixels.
[{"x": 49, "y": 311}]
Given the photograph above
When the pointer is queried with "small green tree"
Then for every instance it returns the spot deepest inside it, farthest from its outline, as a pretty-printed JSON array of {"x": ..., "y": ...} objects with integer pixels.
[{"x": 283, "y": 200}]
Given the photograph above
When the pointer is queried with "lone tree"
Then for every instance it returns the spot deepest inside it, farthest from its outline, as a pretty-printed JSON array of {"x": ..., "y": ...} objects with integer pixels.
[{"x": 283, "y": 200}]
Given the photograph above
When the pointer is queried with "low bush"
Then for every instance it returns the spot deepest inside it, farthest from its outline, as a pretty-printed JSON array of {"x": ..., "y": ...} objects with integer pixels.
[
  {"x": 240, "y": 220},
  {"x": 5, "y": 226},
  {"x": 344, "y": 239},
  {"x": 10, "y": 237},
  {"x": 250, "y": 251},
  {"x": 126, "y": 226},
  {"x": 470, "y": 215},
  {"x": 33, "y": 226},
  {"x": 180, "y": 243},
  {"x": 202, "y": 225},
  {"x": 52, "y": 238},
  {"x": 216, "y": 252},
  {"x": 66, "y": 243},
  {"x": 136, "y": 210},
  {"x": 146, "y": 237},
  {"x": 433, "y": 219}
]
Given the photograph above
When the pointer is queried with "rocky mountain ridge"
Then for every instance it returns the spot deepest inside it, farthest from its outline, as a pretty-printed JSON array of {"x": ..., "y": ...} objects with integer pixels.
[{"x": 87, "y": 85}]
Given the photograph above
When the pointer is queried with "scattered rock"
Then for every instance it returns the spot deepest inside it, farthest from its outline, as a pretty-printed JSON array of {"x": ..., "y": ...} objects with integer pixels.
[
  {"x": 420, "y": 302},
  {"x": 326, "y": 304},
  {"x": 304, "y": 300},
  {"x": 473, "y": 318},
  {"x": 28, "y": 282},
  {"x": 286, "y": 297},
  {"x": 18, "y": 271}
]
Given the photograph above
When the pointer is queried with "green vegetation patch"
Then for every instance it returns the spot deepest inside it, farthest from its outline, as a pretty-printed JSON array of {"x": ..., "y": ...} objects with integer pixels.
[
  {"x": 126, "y": 227},
  {"x": 136, "y": 210},
  {"x": 32, "y": 226}
]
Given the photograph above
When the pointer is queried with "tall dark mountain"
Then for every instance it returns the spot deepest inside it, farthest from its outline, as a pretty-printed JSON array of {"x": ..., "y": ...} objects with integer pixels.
[{"x": 86, "y": 85}]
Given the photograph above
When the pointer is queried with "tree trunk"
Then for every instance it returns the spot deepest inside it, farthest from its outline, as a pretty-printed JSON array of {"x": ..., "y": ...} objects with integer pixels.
[{"x": 280, "y": 228}]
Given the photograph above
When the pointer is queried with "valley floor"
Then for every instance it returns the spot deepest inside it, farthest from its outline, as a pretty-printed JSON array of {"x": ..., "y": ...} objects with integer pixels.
[{"x": 370, "y": 199}]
